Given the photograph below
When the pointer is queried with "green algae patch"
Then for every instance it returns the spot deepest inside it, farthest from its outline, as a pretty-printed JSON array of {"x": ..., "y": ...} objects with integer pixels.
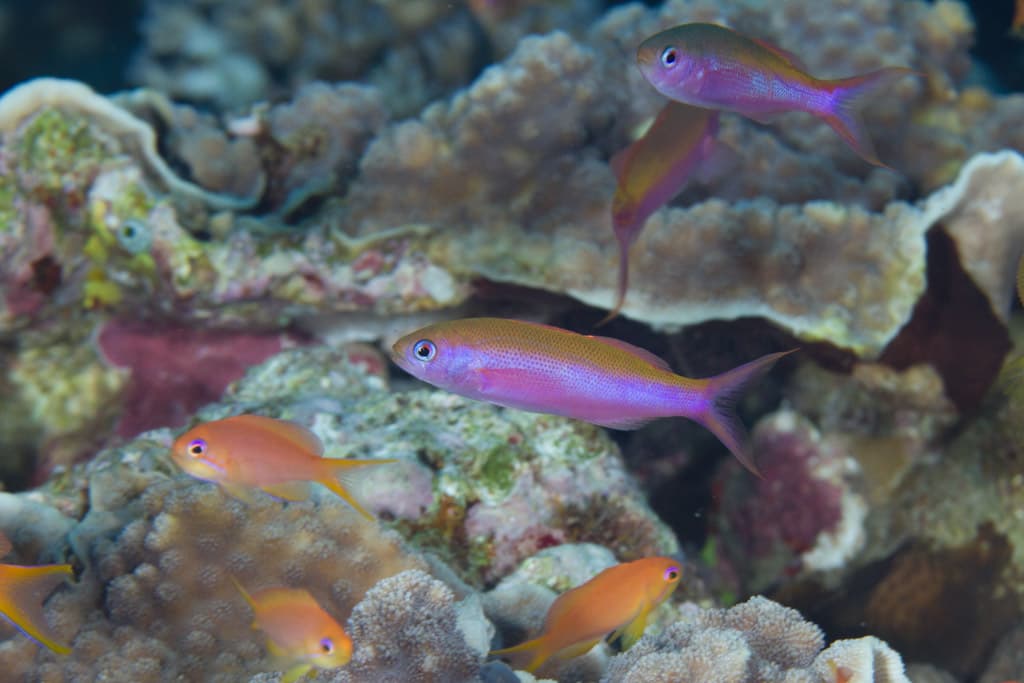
[{"x": 59, "y": 150}]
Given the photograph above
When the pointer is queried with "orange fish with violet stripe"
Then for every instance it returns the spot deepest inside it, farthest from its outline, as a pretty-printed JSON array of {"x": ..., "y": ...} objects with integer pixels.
[
  {"x": 301, "y": 635},
  {"x": 247, "y": 452},
  {"x": 618, "y": 600}
]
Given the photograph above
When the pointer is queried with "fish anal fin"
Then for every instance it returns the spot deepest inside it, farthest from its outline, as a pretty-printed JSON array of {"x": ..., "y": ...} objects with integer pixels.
[
  {"x": 642, "y": 354},
  {"x": 625, "y": 424},
  {"x": 239, "y": 492},
  {"x": 296, "y": 672},
  {"x": 291, "y": 490},
  {"x": 21, "y": 599},
  {"x": 290, "y": 431}
]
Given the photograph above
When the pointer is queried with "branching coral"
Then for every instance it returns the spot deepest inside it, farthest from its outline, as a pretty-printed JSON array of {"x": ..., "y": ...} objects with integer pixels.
[
  {"x": 758, "y": 640},
  {"x": 155, "y": 600}
]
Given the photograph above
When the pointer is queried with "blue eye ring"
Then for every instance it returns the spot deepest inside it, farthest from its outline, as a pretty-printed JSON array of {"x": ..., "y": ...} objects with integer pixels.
[
  {"x": 669, "y": 57},
  {"x": 672, "y": 573},
  {"x": 326, "y": 646},
  {"x": 424, "y": 350},
  {"x": 197, "y": 448}
]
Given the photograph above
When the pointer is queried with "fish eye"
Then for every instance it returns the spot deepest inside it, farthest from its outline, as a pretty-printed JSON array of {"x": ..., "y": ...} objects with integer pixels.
[
  {"x": 326, "y": 646},
  {"x": 424, "y": 350},
  {"x": 672, "y": 573},
  {"x": 669, "y": 56},
  {"x": 197, "y": 448},
  {"x": 134, "y": 236}
]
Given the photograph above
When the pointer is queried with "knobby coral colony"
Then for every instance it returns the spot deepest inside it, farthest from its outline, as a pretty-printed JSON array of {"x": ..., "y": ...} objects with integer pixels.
[{"x": 705, "y": 69}]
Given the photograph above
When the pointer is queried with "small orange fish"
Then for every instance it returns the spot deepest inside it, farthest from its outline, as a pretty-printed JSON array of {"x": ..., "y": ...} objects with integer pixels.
[
  {"x": 299, "y": 632},
  {"x": 1017, "y": 27},
  {"x": 248, "y": 451},
  {"x": 22, "y": 592},
  {"x": 618, "y": 600}
]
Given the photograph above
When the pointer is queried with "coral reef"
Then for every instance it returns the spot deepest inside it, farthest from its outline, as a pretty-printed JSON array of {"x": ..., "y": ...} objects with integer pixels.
[
  {"x": 154, "y": 601},
  {"x": 409, "y": 628},
  {"x": 758, "y": 640},
  {"x": 484, "y": 488}
]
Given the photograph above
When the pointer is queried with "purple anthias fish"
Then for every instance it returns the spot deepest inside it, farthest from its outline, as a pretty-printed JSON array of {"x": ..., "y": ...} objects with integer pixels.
[
  {"x": 711, "y": 66},
  {"x": 651, "y": 171},
  {"x": 545, "y": 369}
]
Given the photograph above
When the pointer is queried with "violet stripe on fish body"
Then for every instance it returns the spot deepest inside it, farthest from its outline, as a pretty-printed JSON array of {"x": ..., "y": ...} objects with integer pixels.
[
  {"x": 545, "y": 369},
  {"x": 711, "y": 66}
]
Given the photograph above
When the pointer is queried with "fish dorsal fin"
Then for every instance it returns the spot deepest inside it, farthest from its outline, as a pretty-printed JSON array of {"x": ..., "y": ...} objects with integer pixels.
[
  {"x": 785, "y": 55},
  {"x": 295, "y": 433},
  {"x": 642, "y": 354}
]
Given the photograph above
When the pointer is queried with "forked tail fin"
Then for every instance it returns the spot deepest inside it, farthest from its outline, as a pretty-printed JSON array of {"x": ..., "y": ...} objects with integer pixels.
[
  {"x": 22, "y": 593},
  {"x": 335, "y": 481},
  {"x": 723, "y": 392},
  {"x": 528, "y": 656},
  {"x": 850, "y": 95}
]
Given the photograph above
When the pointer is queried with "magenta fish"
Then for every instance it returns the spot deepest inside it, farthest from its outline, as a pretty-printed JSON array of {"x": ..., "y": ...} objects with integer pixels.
[
  {"x": 711, "y": 66},
  {"x": 651, "y": 171},
  {"x": 545, "y": 369}
]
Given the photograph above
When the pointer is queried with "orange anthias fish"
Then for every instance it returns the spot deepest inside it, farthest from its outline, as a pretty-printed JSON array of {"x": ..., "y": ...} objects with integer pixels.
[
  {"x": 248, "y": 452},
  {"x": 300, "y": 633},
  {"x": 712, "y": 66},
  {"x": 618, "y": 600},
  {"x": 600, "y": 380},
  {"x": 654, "y": 169},
  {"x": 22, "y": 592}
]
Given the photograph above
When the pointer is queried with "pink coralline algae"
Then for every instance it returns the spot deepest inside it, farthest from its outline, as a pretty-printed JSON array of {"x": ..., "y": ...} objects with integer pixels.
[
  {"x": 175, "y": 370},
  {"x": 801, "y": 516}
]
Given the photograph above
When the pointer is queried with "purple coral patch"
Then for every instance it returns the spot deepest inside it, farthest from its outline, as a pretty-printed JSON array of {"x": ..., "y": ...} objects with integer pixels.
[
  {"x": 791, "y": 505},
  {"x": 176, "y": 369}
]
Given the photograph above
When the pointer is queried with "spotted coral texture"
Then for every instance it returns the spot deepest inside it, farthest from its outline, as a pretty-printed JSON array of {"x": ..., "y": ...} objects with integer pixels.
[
  {"x": 407, "y": 629},
  {"x": 756, "y": 641},
  {"x": 155, "y": 601}
]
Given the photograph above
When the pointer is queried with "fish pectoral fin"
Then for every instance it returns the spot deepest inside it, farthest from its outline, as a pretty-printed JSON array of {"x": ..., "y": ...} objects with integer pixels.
[
  {"x": 239, "y": 492},
  {"x": 296, "y": 672},
  {"x": 21, "y": 600},
  {"x": 292, "y": 490}
]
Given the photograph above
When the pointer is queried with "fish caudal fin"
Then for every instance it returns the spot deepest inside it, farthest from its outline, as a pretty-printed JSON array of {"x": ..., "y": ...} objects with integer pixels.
[
  {"x": 723, "y": 392},
  {"x": 849, "y": 96},
  {"x": 623, "y": 284},
  {"x": 334, "y": 481},
  {"x": 528, "y": 656},
  {"x": 22, "y": 593}
]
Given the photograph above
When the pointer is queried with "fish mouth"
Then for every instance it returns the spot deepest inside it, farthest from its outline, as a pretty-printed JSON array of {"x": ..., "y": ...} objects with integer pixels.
[{"x": 644, "y": 55}]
